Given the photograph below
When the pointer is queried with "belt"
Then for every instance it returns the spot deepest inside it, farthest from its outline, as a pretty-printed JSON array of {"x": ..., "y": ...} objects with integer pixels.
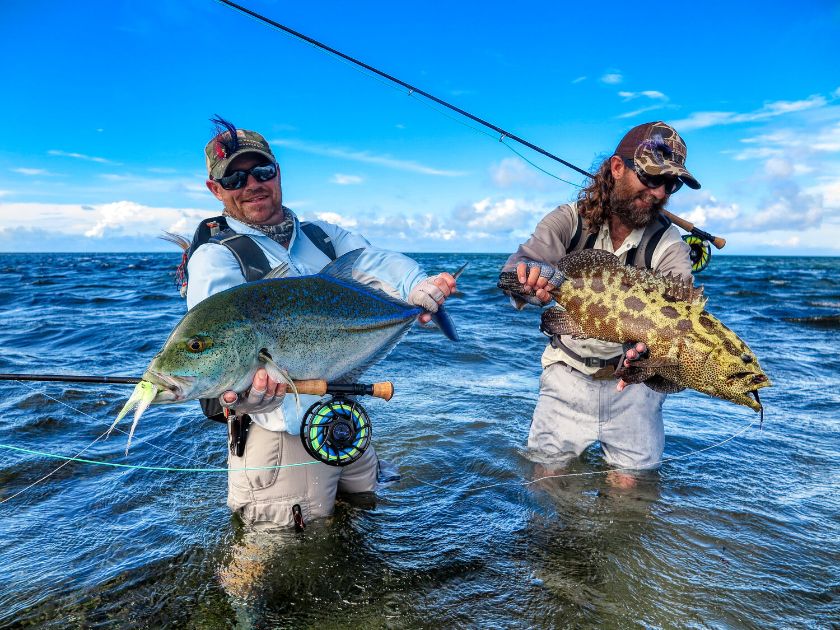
[{"x": 606, "y": 366}]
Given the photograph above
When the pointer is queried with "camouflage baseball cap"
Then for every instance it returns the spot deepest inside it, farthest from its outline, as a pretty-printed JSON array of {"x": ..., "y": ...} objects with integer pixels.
[
  {"x": 225, "y": 147},
  {"x": 657, "y": 149}
]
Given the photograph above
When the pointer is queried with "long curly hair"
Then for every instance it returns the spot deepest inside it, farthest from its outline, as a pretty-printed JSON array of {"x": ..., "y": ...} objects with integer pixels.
[{"x": 593, "y": 202}]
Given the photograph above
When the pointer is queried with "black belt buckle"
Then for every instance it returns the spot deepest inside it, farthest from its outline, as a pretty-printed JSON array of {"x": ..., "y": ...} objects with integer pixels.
[{"x": 594, "y": 362}]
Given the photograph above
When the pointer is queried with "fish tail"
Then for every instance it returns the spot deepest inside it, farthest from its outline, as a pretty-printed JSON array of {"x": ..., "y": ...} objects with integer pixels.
[
  {"x": 445, "y": 323},
  {"x": 179, "y": 240}
]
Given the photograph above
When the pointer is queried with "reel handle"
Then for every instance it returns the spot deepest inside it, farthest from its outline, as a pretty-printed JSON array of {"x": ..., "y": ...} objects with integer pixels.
[{"x": 383, "y": 390}]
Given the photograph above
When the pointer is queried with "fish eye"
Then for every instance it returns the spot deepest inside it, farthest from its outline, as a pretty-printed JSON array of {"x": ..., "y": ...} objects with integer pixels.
[
  {"x": 198, "y": 344},
  {"x": 747, "y": 358}
]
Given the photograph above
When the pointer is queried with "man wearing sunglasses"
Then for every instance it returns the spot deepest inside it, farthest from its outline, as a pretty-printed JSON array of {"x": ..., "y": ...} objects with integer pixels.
[
  {"x": 244, "y": 175},
  {"x": 579, "y": 401}
]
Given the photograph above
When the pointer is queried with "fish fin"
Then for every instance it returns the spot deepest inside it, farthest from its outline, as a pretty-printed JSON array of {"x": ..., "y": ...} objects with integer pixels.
[
  {"x": 460, "y": 270},
  {"x": 680, "y": 288},
  {"x": 633, "y": 374},
  {"x": 342, "y": 267},
  {"x": 556, "y": 321},
  {"x": 276, "y": 373},
  {"x": 353, "y": 375},
  {"x": 279, "y": 271},
  {"x": 179, "y": 240},
  {"x": 577, "y": 263},
  {"x": 662, "y": 385},
  {"x": 445, "y": 323}
]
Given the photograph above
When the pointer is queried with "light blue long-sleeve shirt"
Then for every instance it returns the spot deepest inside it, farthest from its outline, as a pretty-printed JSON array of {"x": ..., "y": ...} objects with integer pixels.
[{"x": 213, "y": 268}]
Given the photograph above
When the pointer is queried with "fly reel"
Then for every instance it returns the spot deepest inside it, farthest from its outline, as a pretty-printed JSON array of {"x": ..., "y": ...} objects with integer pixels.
[
  {"x": 701, "y": 252},
  {"x": 336, "y": 431}
]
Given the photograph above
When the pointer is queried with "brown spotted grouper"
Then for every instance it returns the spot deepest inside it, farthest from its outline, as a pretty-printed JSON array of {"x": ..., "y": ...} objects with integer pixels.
[{"x": 601, "y": 298}]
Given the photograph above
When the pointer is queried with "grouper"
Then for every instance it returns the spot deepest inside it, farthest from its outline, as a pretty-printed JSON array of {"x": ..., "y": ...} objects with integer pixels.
[
  {"x": 325, "y": 326},
  {"x": 599, "y": 297}
]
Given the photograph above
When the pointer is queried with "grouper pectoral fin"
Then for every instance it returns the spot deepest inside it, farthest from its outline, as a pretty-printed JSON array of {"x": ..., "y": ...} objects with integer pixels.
[{"x": 557, "y": 321}]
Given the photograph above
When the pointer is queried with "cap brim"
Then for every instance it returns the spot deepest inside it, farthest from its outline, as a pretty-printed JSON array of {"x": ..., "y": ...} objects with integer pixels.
[{"x": 221, "y": 166}]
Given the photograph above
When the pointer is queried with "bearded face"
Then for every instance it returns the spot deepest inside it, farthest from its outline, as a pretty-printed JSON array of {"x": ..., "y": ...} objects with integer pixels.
[{"x": 634, "y": 202}]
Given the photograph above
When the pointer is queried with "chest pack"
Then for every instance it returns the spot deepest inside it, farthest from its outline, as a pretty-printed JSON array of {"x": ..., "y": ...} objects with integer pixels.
[
  {"x": 640, "y": 256},
  {"x": 251, "y": 258}
]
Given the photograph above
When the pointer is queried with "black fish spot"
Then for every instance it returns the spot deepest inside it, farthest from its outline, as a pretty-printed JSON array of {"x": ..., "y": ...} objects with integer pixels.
[
  {"x": 634, "y": 303},
  {"x": 670, "y": 312}
]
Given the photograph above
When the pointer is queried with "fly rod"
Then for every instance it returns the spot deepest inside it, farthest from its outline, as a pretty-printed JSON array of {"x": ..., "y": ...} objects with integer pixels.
[
  {"x": 412, "y": 89},
  {"x": 383, "y": 390}
]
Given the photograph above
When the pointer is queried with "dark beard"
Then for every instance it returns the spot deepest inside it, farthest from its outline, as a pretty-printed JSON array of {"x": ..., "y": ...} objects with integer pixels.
[{"x": 622, "y": 205}]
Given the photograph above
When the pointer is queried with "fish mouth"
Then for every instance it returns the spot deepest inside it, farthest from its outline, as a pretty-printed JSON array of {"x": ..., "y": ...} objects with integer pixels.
[
  {"x": 170, "y": 388},
  {"x": 749, "y": 383}
]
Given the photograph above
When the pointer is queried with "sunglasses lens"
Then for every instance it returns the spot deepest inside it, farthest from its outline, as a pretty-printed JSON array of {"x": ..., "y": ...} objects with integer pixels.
[
  {"x": 264, "y": 172},
  {"x": 234, "y": 181}
]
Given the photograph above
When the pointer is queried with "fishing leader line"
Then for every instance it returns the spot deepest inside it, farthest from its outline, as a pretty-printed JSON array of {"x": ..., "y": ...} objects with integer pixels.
[
  {"x": 412, "y": 90},
  {"x": 595, "y": 472},
  {"x": 76, "y": 457}
]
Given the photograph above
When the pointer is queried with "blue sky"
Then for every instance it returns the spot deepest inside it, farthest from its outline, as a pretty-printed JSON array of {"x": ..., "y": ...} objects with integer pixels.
[{"x": 105, "y": 114}]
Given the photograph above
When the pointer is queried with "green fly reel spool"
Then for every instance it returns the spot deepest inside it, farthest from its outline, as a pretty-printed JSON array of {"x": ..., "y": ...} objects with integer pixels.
[
  {"x": 701, "y": 252},
  {"x": 336, "y": 431}
]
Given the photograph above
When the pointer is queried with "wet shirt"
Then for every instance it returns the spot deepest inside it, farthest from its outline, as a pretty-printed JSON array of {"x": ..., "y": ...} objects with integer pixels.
[{"x": 213, "y": 268}]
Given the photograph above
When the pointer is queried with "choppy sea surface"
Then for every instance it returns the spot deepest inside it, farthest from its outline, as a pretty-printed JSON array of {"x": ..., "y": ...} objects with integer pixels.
[{"x": 730, "y": 533}]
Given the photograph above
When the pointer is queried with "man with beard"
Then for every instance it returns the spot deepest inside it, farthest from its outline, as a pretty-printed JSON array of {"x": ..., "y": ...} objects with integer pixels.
[{"x": 579, "y": 402}]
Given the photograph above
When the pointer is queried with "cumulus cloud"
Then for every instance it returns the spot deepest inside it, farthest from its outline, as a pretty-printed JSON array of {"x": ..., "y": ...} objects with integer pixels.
[
  {"x": 699, "y": 120},
  {"x": 491, "y": 218},
  {"x": 348, "y": 223},
  {"x": 345, "y": 180},
  {"x": 98, "y": 221}
]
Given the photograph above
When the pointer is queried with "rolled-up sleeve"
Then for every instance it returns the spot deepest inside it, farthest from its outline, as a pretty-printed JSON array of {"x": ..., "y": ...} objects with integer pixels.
[{"x": 549, "y": 241}]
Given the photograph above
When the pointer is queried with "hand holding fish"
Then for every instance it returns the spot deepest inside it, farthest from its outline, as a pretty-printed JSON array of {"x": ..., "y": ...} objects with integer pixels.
[
  {"x": 430, "y": 293},
  {"x": 538, "y": 279},
  {"x": 634, "y": 352},
  {"x": 264, "y": 395}
]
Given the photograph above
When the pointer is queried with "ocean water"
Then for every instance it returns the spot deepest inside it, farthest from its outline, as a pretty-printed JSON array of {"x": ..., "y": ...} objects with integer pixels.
[{"x": 739, "y": 529}]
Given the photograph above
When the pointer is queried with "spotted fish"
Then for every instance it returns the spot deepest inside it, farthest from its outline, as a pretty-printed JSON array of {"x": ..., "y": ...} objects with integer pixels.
[{"x": 601, "y": 298}]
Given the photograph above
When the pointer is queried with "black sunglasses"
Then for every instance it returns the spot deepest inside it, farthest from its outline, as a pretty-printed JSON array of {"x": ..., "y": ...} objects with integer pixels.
[
  {"x": 238, "y": 179},
  {"x": 672, "y": 184}
]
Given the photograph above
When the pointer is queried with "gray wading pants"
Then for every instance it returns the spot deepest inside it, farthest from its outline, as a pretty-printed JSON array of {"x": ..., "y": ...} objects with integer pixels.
[
  {"x": 264, "y": 498},
  {"x": 574, "y": 410}
]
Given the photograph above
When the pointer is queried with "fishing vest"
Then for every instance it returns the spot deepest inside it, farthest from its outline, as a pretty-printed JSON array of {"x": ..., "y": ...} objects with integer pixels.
[
  {"x": 250, "y": 256},
  {"x": 640, "y": 256}
]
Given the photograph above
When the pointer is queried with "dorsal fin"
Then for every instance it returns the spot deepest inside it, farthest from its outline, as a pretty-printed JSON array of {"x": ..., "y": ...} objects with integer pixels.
[
  {"x": 577, "y": 263},
  {"x": 342, "y": 267},
  {"x": 681, "y": 289},
  {"x": 279, "y": 271}
]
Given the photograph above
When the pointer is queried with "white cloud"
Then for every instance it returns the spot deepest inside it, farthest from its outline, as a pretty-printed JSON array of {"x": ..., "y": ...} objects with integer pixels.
[
  {"x": 642, "y": 110},
  {"x": 491, "y": 218},
  {"x": 612, "y": 78},
  {"x": 348, "y": 223},
  {"x": 116, "y": 219},
  {"x": 4, "y": 193},
  {"x": 345, "y": 180},
  {"x": 31, "y": 171},
  {"x": 80, "y": 156},
  {"x": 699, "y": 120},
  {"x": 366, "y": 157},
  {"x": 579, "y": 79},
  {"x": 515, "y": 172},
  {"x": 652, "y": 94}
]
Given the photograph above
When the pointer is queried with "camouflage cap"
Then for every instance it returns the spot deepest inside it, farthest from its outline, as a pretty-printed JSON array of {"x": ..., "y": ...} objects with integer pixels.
[
  {"x": 224, "y": 148},
  {"x": 657, "y": 149}
]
